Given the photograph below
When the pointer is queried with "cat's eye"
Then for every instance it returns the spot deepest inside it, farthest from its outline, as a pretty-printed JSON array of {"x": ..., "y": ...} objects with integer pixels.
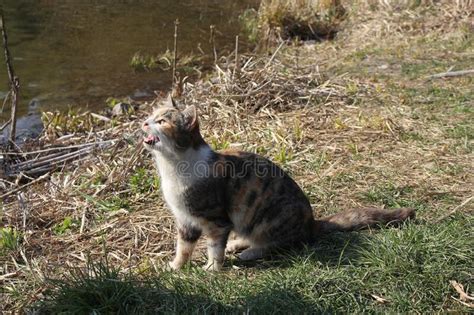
[{"x": 160, "y": 121}]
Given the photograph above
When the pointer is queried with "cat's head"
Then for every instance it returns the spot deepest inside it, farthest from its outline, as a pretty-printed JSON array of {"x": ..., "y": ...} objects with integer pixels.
[{"x": 170, "y": 130}]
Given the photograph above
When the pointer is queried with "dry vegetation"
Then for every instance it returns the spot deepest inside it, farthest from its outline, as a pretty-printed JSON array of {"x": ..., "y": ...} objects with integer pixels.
[
  {"x": 277, "y": 20},
  {"x": 355, "y": 121}
]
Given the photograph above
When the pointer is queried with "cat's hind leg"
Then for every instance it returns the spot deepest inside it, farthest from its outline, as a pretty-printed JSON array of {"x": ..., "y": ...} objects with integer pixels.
[{"x": 253, "y": 253}]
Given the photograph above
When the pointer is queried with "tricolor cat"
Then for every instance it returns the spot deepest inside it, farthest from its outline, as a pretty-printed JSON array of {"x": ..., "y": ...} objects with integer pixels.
[{"x": 215, "y": 193}]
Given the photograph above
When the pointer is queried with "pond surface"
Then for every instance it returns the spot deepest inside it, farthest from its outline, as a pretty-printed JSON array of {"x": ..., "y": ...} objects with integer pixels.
[{"x": 77, "y": 53}]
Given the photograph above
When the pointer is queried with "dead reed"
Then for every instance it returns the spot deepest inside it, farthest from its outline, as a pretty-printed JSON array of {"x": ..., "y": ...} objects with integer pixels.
[{"x": 278, "y": 20}]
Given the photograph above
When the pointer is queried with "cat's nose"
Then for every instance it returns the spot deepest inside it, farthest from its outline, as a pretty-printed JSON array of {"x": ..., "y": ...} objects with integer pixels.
[{"x": 145, "y": 125}]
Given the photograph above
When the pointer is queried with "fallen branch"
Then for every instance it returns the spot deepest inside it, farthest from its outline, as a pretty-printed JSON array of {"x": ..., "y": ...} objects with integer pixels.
[
  {"x": 24, "y": 166},
  {"x": 450, "y": 74},
  {"x": 24, "y": 186},
  {"x": 37, "y": 160},
  {"x": 447, "y": 215},
  {"x": 41, "y": 164},
  {"x": 61, "y": 148}
]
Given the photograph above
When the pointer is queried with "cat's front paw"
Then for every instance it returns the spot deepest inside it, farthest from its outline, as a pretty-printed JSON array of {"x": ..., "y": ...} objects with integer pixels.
[
  {"x": 173, "y": 265},
  {"x": 213, "y": 266}
]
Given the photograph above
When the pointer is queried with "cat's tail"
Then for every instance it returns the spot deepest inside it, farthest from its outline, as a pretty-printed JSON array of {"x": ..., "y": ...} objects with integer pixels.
[{"x": 358, "y": 219}]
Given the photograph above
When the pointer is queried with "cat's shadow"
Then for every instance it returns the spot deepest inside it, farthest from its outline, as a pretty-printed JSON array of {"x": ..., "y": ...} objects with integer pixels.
[{"x": 331, "y": 250}]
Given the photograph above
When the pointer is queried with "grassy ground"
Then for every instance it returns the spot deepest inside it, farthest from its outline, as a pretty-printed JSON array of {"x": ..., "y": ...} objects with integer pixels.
[
  {"x": 356, "y": 123},
  {"x": 405, "y": 270}
]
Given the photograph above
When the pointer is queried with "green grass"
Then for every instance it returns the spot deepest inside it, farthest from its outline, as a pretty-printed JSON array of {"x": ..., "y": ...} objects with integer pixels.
[
  {"x": 249, "y": 24},
  {"x": 283, "y": 156},
  {"x": 141, "y": 62},
  {"x": 393, "y": 196},
  {"x": 10, "y": 239},
  {"x": 65, "y": 226},
  {"x": 218, "y": 145},
  {"x": 410, "y": 267},
  {"x": 113, "y": 203},
  {"x": 110, "y": 204},
  {"x": 462, "y": 131},
  {"x": 144, "y": 181}
]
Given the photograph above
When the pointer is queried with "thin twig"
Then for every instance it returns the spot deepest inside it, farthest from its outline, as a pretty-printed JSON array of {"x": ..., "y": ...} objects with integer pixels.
[
  {"x": 100, "y": 117},
  {"x": 52, "y": 160},
  {"x": 274, "y": 54},
  {"x": 450, "y": 74},
  {"x": 14, "y": 81},
  {"x": 175, "y": 52},
  {"x": 465, "y": 202},
  {"x": 5, "y": 100},
  {"x": 24, "y": 186},
  {"x": 62, "y": 148},
  {"x": 8, "y": 275},
  {"x": 236, "y": 65},
  {"x": 37, "y": 160},
  {"x": 5, "y": 124},
  {"x": 212, "y": 41}
]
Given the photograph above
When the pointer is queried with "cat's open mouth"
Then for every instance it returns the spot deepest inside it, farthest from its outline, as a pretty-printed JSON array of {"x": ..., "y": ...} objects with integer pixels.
[{"x": 151, "y": 139}]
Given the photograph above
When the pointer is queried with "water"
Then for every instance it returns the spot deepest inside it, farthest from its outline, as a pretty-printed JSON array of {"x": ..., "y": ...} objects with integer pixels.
[{"x": 77, "y": 53}]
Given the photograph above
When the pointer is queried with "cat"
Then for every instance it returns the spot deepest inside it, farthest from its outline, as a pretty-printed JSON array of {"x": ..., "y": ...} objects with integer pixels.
[{"x": 215, "y": 193}]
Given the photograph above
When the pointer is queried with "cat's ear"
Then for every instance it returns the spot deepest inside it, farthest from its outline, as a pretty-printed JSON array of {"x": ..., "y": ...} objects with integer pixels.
[
  {"x": 190, "y": 117},
  {"x": 170, "y": 102}
]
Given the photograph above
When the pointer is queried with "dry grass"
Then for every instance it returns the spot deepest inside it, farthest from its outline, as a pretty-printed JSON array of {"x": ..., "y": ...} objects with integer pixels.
[
  {"x": 353, "y": 120},
  {"x": 278, "y": 20}
]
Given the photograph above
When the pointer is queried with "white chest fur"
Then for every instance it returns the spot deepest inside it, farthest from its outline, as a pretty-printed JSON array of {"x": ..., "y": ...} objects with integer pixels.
[{"x": 174, "y": 182}]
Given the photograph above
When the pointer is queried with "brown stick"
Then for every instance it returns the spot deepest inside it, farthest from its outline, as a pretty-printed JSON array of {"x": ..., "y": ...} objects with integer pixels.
[
  {"x": 447, "y": 215},
  {"x": 236, "y": 66},
  {"x": 51, "y": 159},
  {"x": 24, "y": 186},
  {"x": 175, "y": 52},
  {"x": 47, "y": 167},
  {"x": 37, "y": 160},
  {"x": 212, "y": 41},
  {"x": 274, "y": 54},
  {"x": 450, "y": 74},
  {"x": 14, "y": 81},
  {"x": 63, "y": 148}
]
